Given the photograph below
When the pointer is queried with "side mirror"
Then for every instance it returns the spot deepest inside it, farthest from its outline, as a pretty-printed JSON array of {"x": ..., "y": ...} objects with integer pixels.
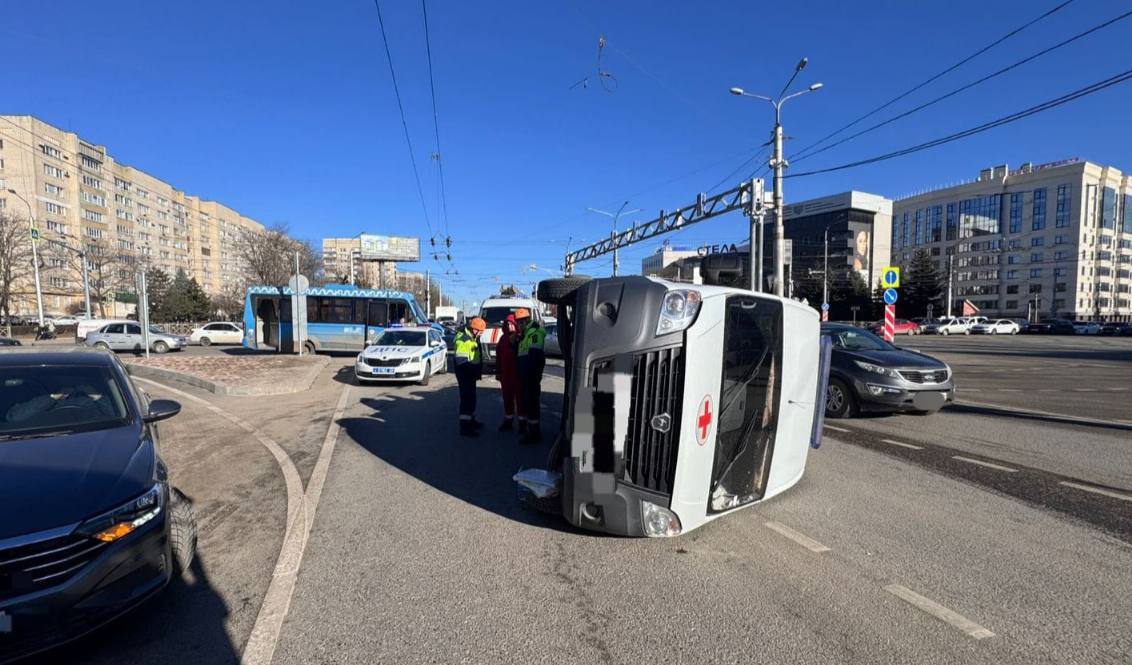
[
  {"x": 435, "y": 343},
  {"x": 160, "y": 409}
]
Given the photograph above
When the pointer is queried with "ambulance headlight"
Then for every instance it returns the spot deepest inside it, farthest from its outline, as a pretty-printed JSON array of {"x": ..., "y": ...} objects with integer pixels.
[
  {"x": 678, "y": 311},
  {"x": 659, "y": 522}
]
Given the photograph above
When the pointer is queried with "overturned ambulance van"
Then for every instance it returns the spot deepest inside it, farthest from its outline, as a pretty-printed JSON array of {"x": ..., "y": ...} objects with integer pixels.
[{"x": 683, "y": 402}]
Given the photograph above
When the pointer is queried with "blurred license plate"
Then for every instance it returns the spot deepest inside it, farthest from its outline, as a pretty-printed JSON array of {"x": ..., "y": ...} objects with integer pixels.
[
  {"x": 384, "y": 370},
  {"x": 5, "y": 622}
]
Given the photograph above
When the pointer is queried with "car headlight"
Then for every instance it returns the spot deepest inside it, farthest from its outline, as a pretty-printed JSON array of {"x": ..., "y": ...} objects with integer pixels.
[
  {"x": 125, "y": 519},
  {"x": 678, "y": 310},
  {"x": 876, "y": 369},
  {"x": 659, "y": 522},
  {"x": 409, "y": 361}
]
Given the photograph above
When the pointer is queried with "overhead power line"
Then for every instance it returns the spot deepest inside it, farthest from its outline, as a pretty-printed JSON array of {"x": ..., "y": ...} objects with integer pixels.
[
  {"x": 435, "y": 119},
  {"x": 1044, "y": 106},
  {"x": 935, "y": 77},
  {"x": 968, "y": 86},
  {"x": 401, "y": 110}
]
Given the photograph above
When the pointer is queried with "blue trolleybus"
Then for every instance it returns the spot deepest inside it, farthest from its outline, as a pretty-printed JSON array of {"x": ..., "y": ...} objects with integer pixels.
[{"x": 339, "y": 317}]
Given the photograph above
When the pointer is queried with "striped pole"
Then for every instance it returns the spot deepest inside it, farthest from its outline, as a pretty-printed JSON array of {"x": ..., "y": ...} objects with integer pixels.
[{"x": 889, "y": 322}]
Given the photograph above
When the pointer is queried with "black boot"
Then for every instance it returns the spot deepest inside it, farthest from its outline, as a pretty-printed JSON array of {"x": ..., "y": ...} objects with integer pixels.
[
  {"x": 468, "y": 429},
  {"x": 506, "y": 426},
  {"x": 532, "y": 436}
]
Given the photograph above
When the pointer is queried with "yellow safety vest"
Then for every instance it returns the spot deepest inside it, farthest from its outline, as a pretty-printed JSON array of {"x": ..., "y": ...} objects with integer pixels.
[{"x": 467, "y": 348}]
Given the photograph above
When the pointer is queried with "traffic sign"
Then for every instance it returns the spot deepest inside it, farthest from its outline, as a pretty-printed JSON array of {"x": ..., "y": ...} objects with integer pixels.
[
  {"x": 890, "y": 296},
  {"x": 825, "y": 307},
  {"x": 35, "y": 234},
  {"x": 890, "y": 277}
]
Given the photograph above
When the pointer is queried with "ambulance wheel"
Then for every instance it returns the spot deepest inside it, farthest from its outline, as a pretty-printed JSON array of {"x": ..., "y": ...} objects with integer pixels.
[{"x": 556, "y": 291}]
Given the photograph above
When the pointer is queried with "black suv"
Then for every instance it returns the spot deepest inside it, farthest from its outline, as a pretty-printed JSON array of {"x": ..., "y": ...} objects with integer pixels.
[{"x": 91, "y": 526}]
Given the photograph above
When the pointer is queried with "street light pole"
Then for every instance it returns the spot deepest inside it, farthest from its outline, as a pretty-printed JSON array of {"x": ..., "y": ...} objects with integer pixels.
[
  {"x": 825, "y": 271},
  {"x": 613, "y": 235},
  {"x": 778, "y": 163},
  {"x": 34, "y": 253}
]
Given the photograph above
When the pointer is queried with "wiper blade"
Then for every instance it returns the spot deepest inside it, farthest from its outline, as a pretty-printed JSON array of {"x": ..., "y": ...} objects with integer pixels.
[{"x": 35, "y": 435}]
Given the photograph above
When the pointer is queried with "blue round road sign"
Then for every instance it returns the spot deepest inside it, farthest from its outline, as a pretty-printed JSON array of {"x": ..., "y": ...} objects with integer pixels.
[
  {"x": 891, "y": 276},
  {"x": 890, "y": 296},
  {"x": 825, "y": 307}
]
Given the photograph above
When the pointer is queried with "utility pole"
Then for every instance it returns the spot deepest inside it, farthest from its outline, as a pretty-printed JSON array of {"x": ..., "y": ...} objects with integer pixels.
[
  {"x": 778, "y": 163},
  {"x": 613, "y": 234},
  {"x": 950, "y": 265},
  {"x": 825, "y": 271},
  {"x": 428, "y": 292},
  {"x": 34, "y": 253},
  {"x": 756, "y": 212},
  {"x": 86, "y": 283},
  {"x": 143, "y": 311}
]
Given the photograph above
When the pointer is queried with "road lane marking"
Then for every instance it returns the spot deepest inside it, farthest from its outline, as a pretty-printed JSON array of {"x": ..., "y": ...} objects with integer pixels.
[
  {"x": 982, "y": 463},
  {"x": 801, "y": 539},
  {"x": 902, "y": 444},
  {"x": 954, "y": 619},
  {"x": 1084, "y": 390},
  {"x": 837, "y": 429},
  {"x": 260, "y": 649},
  {"x": 1097, "y": 490}
]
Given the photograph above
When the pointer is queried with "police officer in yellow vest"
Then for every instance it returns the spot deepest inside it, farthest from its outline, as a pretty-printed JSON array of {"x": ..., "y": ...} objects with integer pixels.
[
  {"x": 531, "y": 364},
  {"x": 469, "y": 369}
]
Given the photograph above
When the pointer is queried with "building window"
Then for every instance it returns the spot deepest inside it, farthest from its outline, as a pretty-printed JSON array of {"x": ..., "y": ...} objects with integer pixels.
[
  {"x": 1037, "y": 241},
  {"x": 90, "y": 197},
  {"x": 58, "y": 282},
  {"x": 90, "y": 163},
  {"x": 905, "y": 232},
  {"x": 1061, "y": 287},
  {"x": 980, "y": 216},
  {"x": 1038, "y": 221},
  {"x": 1108, "y": 208},
  {"x": 92, "y": 216},
  {"x": 53, "y": 208},
  {"x": 52, "y": 190},
  {"x": 919, "y": 226},
  {"x": 57, "y": 227},
  {"x": 1036, "y": 257},
  {"x": 1062, "y": 216},
  {"x": 1011, "y": 304},
  {"x": 1059, "y": 256},
  {"x": 1035, "y": 272},
  {"x": 1059, "y": 240},
  {"x": 53, "y": 171},
  {"x": 94, "y": 233},
  {"x": 952, "y": 224},
  {"x": 1126, "y": 226},
  {"x": 92, "y": 182},
  {"x": 935, "y": 224},
  {"x": 122, "y": 184},
  {"x": 1011, "y": 274},
  {"x": 1016, "y": 212},
  {"x": 51, "y": 151},
  {"x": 1036, "y": 288},
  {"x": 1011, "y": 288}
]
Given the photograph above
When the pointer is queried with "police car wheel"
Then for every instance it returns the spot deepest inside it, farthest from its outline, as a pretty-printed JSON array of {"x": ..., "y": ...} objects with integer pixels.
[
  {"x": 443, "y": 366},
  {"x": 426, "y": 375}
]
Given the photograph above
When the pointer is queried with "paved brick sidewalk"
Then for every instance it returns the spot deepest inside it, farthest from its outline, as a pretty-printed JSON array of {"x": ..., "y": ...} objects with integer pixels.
[{"x": 234, "y": 374}]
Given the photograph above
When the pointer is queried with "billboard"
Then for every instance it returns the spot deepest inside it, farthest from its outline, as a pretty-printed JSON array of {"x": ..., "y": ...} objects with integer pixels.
[{"x": 390, "y": 248}]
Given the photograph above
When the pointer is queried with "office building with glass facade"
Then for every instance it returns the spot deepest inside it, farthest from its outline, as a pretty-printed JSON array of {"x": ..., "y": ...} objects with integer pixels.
[{"x": 1046, "y": 241}]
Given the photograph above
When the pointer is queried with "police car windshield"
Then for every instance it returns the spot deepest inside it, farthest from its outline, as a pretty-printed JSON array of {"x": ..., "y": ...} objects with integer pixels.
[
  {"x": 401, "y": 338},
  {"x": 495, "y": 316}
]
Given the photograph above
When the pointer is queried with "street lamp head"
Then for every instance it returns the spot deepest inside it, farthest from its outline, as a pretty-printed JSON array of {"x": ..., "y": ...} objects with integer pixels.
[
  {"x": 816, "y": 86},
  {"x": 11, "y": 191},
  {"x": 801, "y": 65},
  {"x": 736, "y": 91}
]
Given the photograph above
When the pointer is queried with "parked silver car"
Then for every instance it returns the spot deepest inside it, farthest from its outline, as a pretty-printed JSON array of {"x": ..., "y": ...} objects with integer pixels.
[{"x": 127, "y": 336}]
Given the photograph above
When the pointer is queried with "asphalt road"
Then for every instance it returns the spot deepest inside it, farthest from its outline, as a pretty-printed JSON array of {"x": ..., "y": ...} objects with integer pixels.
[{"x": 419, "y": 551}]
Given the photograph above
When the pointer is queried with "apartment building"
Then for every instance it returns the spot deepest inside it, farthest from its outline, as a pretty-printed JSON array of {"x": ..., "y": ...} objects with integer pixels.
[
  {"x": 122, "y": 217},
  {"x": 1052, "y": 240},
  {"x": 337, "y": 255}
]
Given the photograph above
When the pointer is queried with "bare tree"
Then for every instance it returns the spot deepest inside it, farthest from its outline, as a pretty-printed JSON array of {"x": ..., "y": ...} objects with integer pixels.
[
  {"x": 15, "y": 258},
  {"x": 269, "y": 256},
  {"x": 110, "y": 271}
]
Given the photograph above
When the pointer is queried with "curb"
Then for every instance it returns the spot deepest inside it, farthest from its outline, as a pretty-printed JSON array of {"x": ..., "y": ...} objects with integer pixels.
[{"x": 295, "y": 385}]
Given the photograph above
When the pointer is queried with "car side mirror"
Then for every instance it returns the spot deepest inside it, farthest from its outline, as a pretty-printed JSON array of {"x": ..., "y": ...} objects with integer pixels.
[
  {"x": 161, "y": 409},
  {"x": 435, "y": 343}
]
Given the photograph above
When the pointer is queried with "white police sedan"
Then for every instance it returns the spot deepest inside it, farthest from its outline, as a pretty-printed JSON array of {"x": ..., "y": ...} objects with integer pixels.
[{"x": 403, "y": 354}]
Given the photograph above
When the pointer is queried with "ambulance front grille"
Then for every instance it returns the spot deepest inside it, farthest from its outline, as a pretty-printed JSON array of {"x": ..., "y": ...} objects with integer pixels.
[{"x": 653, "y": 438}]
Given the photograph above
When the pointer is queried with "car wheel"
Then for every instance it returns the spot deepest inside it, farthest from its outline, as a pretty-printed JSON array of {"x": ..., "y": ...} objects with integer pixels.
[
  {"x": 966, "y": 332},
  {"x": 993, "y": 331},
  {"x": 102, "y": 345},
  {"x": 555, "y": 291},
  {"x": 1014, "y": 332},
  {"x": 839, "y": 400},
  {"x": 204, "y": 341},
  {"x": 182, "y": 530},
  {"x": 425, "y": 375},
  {"x": 944, "y": 332},
  {"x": 160, "y": 347}
]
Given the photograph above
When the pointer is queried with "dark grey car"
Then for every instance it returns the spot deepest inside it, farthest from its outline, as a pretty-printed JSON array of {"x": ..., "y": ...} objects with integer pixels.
[{"x": 868, "y": 374}]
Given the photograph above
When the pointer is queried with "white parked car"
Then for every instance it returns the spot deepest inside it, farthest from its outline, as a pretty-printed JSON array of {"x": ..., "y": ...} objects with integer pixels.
[
  {"x": 952, "y": 326},
  {"x": 66, "y": 321},
  {"x": 1086, "y": 328},
  {"x": 217, "y": 332},
  {"x": 996, "y": 327},
  {"x": 403, "y": 354}
]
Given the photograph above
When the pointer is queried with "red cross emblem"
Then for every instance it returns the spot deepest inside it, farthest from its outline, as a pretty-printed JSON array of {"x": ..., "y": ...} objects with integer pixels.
[{"x": 703, "y": 422}]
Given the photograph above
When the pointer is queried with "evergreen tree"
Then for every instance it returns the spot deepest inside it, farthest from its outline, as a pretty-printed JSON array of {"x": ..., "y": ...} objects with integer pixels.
[
  {"x": 186, "y": 300},
  {"x": 921, "y": 286},
  {"x": 157, "y": 285}
]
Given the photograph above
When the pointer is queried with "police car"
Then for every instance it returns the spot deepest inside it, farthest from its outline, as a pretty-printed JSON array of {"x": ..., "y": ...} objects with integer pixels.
[{"x": 403, "y": 354}]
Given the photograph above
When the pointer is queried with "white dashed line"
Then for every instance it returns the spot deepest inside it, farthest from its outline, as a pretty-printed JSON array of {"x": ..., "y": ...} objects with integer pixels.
[
  {"x": 1097, "y": 490},
  {"x": 902, "y": 444},
  {"x": 940, "y": 612},
  {"x": 982, "y": 463},
  {"x": 801, "y": 539},
  {"x": 837, "y": 429},
  {"x": 1084, "y": 390}
]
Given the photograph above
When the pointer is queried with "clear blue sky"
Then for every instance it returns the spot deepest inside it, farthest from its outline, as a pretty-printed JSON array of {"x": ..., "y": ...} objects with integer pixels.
[{"x": 285, "y": 110}]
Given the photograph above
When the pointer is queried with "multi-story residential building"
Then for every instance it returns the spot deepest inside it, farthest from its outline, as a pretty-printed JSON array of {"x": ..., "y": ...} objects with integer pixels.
[
  {"x": 1053, "y": 240},
  {"x": 122, "y": 217},
  {"x": 339, "y": 253}
]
